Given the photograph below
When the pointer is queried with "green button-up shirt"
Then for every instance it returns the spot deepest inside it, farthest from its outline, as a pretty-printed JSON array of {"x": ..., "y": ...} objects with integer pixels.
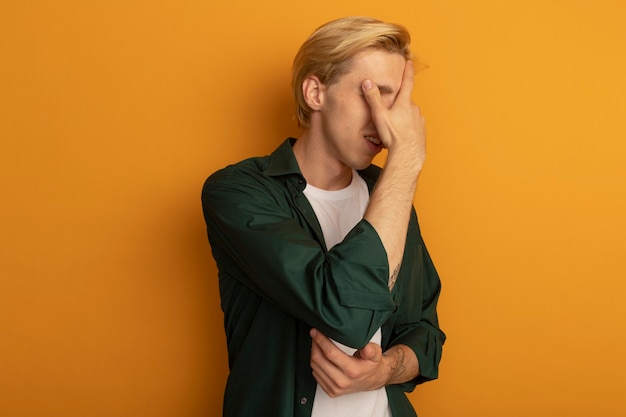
[{"x": 277, "y": 280}]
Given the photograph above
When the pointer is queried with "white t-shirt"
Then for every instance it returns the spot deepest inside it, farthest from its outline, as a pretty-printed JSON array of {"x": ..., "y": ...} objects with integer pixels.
[{"x": 338, "y": 212}]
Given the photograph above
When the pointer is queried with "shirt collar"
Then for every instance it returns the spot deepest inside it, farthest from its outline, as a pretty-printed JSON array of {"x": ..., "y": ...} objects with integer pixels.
[{"x": 283, "y": 161}]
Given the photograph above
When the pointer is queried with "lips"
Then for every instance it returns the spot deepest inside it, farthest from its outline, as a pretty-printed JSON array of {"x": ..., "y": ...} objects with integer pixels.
[{"x": 374, "y": 143}]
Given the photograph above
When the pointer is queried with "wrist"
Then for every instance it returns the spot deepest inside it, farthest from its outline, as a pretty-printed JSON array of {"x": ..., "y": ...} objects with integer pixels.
[
  {"x": 402, "y": 363},
  {"x": 406, "y": 158},
  {"x": 395, "y": 364}
]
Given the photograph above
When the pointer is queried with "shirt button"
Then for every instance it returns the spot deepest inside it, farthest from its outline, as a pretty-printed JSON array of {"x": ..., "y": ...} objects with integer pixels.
[{"x": 303, "y": 400}]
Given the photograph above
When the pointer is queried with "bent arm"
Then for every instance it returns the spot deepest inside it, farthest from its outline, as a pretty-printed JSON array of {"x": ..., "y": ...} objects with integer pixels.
[
  {"x": 257, "y": 240},
  {"x": 401, "y": 129},
  {"x": 416, "y": 323},
  {"x": 414, "y": 345}
]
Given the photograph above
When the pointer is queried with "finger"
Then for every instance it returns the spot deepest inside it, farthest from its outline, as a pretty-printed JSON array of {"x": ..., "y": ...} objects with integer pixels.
[
  {"x": 320, "y": 338},
  {"x": 319, "y": 362},
  {"x": 331, "y": 360},
  {"x": 327, "y": 348},
  {"x": 408, "y": 80},
  {"x": 326, "y": 383},
  {"x": 318, "y": 355},
  {"x": 327, "y": 375},
  {"x": 372, "y": 96}
]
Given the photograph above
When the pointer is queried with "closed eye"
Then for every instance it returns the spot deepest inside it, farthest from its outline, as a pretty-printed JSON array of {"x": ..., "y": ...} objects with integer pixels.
[{"x": 385, "y": 89}]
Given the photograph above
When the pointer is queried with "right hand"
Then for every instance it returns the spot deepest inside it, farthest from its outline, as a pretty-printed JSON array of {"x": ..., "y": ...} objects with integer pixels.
[{"x": 400, "y": 127}]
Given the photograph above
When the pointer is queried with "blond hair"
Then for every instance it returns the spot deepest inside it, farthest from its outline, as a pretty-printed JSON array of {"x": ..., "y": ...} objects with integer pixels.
[{"x": 327, "y": 53}]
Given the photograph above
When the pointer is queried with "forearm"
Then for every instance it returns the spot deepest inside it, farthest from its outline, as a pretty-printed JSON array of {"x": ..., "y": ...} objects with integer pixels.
[
  {"x": 401, "y": 129},
  {"x": 391, "y": 202}
]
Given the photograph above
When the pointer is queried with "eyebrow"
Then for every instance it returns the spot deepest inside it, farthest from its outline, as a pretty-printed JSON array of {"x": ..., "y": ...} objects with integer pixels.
[{"x": 385, "y": 89}]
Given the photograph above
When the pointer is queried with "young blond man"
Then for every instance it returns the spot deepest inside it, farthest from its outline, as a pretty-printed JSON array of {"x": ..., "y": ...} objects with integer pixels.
[{"x": 328, "y": 292}]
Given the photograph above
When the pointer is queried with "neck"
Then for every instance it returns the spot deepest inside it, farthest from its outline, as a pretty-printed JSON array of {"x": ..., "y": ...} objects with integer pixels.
[{"x": 318, "y": 167}]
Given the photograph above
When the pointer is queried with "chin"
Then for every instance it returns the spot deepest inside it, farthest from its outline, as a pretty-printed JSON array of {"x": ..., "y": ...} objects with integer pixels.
[{"x": 362, "y": 165}]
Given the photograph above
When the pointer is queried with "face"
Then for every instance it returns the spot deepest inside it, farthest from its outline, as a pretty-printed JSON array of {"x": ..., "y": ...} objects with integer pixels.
[{"x": 345, "y": 120}]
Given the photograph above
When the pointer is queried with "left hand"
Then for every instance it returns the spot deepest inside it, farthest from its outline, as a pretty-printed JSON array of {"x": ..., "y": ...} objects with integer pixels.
[{"x": 340, "y": 374}]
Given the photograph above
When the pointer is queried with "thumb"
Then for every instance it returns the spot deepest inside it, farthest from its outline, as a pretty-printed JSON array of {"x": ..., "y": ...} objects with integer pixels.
[
  {"x": 378, "y": 111},
  {"x": 372, "y": 95},
  {"x": 368, "y": 352}
]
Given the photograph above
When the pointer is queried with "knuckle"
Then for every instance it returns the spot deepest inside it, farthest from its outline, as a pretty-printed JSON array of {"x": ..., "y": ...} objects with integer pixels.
[
  {"x": 330, "y": 352},
  {"x": 352, "y": 372},
  {"x": 341, "y": 387},
  {"x": 315, "y": 355}
]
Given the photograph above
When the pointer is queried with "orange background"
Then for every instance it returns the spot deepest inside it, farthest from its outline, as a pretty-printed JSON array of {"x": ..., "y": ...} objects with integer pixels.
[{"x": 113, "y": 113}]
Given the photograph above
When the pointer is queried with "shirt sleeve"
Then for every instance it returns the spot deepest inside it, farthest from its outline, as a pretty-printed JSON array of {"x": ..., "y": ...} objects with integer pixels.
[
  {"x": 257, "y": 239},
  {"x": 416, "y": 322}
]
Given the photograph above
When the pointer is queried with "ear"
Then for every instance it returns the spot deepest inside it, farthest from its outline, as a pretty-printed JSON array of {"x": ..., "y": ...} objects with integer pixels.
[{"x": 313, "y": 92}]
